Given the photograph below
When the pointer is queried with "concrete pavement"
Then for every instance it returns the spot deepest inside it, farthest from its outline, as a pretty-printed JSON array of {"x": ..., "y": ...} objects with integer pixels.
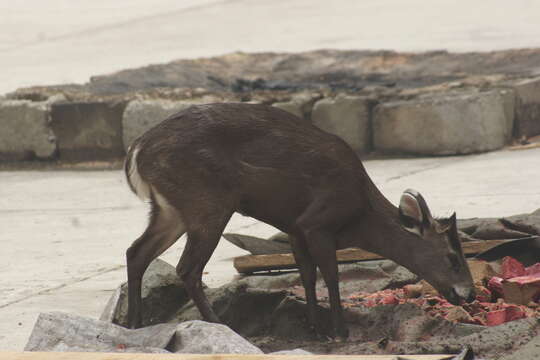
[
  {"x": 63, "y": 41},
  {"x": 64, "y": 233}
]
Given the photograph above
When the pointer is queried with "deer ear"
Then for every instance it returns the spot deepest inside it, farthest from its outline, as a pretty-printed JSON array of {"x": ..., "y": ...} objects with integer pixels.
[
  {"x": 413, "y": 212},
  {"x": 453, "y": 232},
  {"x": 410, "y": 214}
]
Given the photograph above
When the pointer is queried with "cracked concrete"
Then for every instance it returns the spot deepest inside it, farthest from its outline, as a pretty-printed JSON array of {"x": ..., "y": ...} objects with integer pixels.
[{"x": 64, "y": 233}]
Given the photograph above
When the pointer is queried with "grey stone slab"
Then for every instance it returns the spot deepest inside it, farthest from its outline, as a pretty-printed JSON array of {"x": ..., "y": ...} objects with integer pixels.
[
  {"x": 88, "y": 130},
  {"x": 25, "y": 132},
  {"x": 163, "y": 293},
  {"x": 347, "y": 117},
  {"x": 444, "y": 125},
  {"x": 528, "y": 107},
  {"x": 141, "y": 115},
  {"x": 200, "y": 337},
  {"x": 56, "y": 331}
]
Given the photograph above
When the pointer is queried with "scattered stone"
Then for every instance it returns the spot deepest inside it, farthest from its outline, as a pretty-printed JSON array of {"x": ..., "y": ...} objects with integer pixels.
[
  {"x": 199, "y": 337},
  {"x": 528, "y": 107},
  {"x": 25, "y": 132},
  {"x": 88, "y": 130},
  {"x": 458, "y": 314},
  {"x": 246, "y": 310},
  {"x": 521, "y": 290},
  {"x": 57, "y": 331},
  {"x": 443, "y": 125},
  {"x": 347, "y": 117},
  {"x": 163, "y": 293}
]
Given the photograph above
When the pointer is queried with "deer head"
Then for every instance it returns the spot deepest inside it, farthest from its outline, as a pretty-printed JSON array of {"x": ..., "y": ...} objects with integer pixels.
[{"x": 438, "y": 257}]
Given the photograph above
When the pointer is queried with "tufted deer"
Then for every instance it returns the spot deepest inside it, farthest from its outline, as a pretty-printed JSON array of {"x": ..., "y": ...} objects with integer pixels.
[{"x": 204, "y": 163}]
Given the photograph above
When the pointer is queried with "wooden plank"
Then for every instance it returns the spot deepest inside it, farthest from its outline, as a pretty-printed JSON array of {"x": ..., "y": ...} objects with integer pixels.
[
  {"x": 525, "y": 147},
  {"x": 254, "y": 263},
  {"x": 138, "y": 356}
]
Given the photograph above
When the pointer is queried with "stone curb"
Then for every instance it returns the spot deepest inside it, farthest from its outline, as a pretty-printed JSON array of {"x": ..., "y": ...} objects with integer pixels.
[{"x": 446, "y": 123}]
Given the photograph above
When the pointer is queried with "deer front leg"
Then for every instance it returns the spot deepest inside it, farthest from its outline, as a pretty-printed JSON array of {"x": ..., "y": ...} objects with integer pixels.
[
  {"x": 323, "y": 251},
  {"x": 318, "y": 225}
]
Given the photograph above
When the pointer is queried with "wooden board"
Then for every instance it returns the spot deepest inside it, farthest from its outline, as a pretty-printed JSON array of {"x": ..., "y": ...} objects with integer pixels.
[
  {"x": 254, "y": 263},
  {"x": 132, "y": 356}
]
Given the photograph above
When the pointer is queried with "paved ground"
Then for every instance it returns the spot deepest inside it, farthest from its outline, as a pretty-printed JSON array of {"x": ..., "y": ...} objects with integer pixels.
[
  {"x": 64, "y": 233},
  {"x": 59, "y": 41}
]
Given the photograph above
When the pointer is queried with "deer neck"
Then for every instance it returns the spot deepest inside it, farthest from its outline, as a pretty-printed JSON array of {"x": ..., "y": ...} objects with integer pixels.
[{"x": 379, "y": 231}]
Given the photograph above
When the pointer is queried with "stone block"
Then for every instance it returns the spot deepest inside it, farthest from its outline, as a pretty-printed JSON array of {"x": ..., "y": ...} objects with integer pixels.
[
  {"x": 444, "y": 124},
  {"x": 521, "y": 290},
  {"x": 300, "y": 105},
  {"x": 163, "y": 293},
  {"x": 200, "y": 337},
  {"x": 141, "y": 115},
  {"x": 88, "y": 130},
  {"x": 347, "y": 117},
  {"x": 527, "y": 107},
  {"x": 56, "y": 331},
  {"x": 25, "y": 133}
]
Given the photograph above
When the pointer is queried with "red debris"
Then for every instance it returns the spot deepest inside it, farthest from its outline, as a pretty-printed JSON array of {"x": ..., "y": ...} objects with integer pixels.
[
  {"x": 389, "y": 299},
  {"x": 514, "y": 312},
  {"x": 496, "y": 317},
  {"x": 483, "y": 294},
  {"x": 483, "y": 311},
  {"x": 512, "y": 268}
]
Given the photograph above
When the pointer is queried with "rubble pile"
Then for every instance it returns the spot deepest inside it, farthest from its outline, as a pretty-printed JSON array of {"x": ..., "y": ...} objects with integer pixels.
[{"x": 511, "y": 295}]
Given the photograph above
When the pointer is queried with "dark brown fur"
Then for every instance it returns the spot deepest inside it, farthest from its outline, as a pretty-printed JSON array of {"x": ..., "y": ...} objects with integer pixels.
[{"x": 210, "y": 161}]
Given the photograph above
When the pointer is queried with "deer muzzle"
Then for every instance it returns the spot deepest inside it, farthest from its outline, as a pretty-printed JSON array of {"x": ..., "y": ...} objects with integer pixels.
[{"x": 459, "y": 293}]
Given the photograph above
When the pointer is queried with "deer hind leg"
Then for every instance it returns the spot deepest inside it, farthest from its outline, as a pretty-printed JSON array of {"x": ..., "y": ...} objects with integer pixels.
[
  {"x": 203, "y": 237},
  {"x": 163, "y": 230},
  {"x": 308, "y": 274}
]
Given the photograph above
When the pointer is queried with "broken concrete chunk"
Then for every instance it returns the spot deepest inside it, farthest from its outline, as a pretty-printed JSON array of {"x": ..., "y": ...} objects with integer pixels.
[
  {"x": 347, "y": 117},
  {"x": 141, "y": 115},
  {"x": 200, "y": 337},
  {"x": 528, "y": 107},
  {"x": 88, "y": 130},
  {"x": 443, "y": 125},
  {"x": 163, "y": 293},
  {"x": 25, "y": 133},
  {"x": 458, "y": 314},
  {"x": 58, "y": 331},
  {"x": 522, "y": 289}
]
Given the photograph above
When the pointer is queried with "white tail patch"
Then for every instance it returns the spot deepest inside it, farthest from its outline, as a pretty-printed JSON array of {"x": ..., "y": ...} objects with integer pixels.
[{"x": 141, "y": 189}]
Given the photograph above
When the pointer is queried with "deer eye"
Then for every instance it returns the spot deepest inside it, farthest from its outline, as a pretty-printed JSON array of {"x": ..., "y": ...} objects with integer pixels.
[{"x": 454, "y": 262}]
